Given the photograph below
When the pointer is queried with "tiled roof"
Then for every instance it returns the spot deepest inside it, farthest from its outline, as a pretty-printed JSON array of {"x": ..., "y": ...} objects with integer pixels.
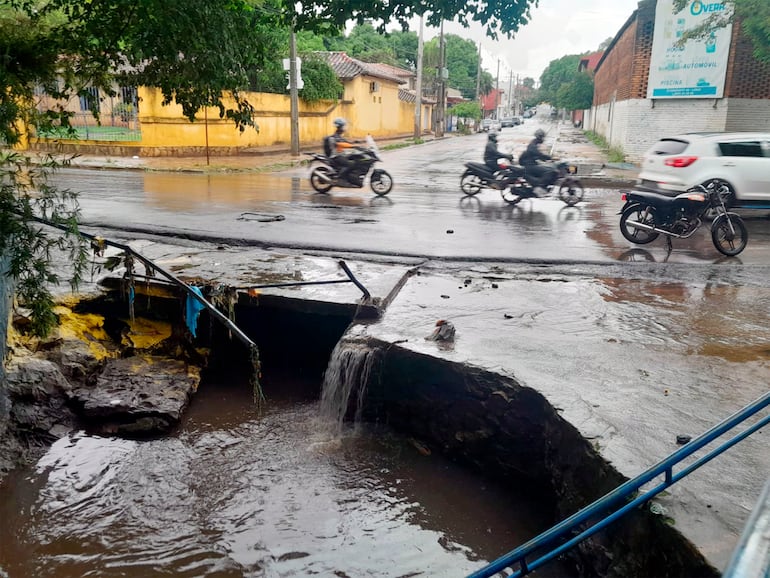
[
  {"x": 347, "y": 68},
  {"x": 410, "y": 96},
  {"x": 590, "y": 61}
]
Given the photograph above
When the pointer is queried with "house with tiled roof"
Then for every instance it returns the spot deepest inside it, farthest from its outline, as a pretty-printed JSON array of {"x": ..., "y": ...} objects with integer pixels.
[{"x": 376, "y": 97}]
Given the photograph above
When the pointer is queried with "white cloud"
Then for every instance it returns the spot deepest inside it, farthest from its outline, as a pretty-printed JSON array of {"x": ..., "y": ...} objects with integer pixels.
[{"x": 557, "y": 28}]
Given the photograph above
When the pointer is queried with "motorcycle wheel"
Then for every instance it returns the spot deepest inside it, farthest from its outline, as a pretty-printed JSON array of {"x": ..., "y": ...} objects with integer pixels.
[
  {"x": 320, "y": 179},
  {"x": 381, "y": 182},
  {"x": 641, "y": 214},
  {"x": 729, "y": 234},
  {"x": 571, "y": 191},
  {"x": 471, "y": 183}
]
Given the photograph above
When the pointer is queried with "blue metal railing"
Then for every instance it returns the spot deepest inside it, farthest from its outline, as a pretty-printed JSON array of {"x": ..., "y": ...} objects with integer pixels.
[
  {"x": 550, "y": 538},
  {"x": 751, "y": 557}
]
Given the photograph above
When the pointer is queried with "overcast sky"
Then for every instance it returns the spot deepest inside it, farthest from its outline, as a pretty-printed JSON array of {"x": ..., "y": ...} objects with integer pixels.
[{"x": 557, "y": 28}]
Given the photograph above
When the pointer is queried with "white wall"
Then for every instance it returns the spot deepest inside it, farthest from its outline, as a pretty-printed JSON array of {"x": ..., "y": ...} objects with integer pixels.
[
  {"x": 748, "y": 114},
  {"x": 634, "y": 125}
]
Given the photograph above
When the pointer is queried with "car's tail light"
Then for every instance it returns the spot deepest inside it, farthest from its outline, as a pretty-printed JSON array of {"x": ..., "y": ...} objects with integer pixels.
[{"x": 680, "y": 162}]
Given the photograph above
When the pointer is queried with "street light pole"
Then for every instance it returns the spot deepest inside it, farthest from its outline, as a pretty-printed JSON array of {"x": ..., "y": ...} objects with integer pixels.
[
  {"x": 418, "y": 89},
  {"x": 294, "y": 97},
  {"x": 442, "y": 84}
]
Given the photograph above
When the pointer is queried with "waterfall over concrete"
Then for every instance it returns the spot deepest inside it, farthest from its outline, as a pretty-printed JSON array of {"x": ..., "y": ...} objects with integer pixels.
[{"x": 345, "y": 381}]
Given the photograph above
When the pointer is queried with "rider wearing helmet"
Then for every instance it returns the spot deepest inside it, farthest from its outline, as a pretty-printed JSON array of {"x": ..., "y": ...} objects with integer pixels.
[
  {"x": 338, "y": 148},
  {"x": 492, "y": 154},
  {"x": 539, "y": 175}
]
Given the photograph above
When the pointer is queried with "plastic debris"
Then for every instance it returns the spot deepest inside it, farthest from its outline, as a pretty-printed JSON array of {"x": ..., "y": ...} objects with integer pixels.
[{"x": 444, "y": 331}]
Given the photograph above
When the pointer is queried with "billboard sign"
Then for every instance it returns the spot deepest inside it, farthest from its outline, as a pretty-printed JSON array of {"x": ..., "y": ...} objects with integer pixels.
[{"x": 697, "y": 69}]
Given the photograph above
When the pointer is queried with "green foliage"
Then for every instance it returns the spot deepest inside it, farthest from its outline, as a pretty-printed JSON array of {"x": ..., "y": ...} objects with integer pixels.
[
  {"x": 320, "y": 81},
  {"x": 558, "y": 72},
  {"x": 576, "y": 95},
  {"x": 497, "y": 16},
  {"x": 614, "y": 154},
  {"x": 470, "y": 110},
  {"x": 26, "y": 195},
  {"x": 754, "y": 16},
  {"x": 462, "y": 61}
]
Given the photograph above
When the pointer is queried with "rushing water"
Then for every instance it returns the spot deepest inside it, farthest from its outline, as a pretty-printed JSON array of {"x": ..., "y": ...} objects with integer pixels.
[{"x": 234, "y": 493}]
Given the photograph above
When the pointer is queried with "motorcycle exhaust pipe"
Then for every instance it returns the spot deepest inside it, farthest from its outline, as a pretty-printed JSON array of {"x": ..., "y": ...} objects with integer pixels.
[
  {"x": 323, "y": 176},
  {"x": 645, "y": 227}
]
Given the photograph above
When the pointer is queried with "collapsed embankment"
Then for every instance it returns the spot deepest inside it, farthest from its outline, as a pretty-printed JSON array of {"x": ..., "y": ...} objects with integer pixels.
[{"x": 494, "y": 424}]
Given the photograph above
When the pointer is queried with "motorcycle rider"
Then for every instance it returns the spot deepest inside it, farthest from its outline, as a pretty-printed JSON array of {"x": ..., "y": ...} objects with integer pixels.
[
  {"x": 492, "y": 154},
  {"x": 540, "y": 175},
  {"x": 340, "y": 150}
]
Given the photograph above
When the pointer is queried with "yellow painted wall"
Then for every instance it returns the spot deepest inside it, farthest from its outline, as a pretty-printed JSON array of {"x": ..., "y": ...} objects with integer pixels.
[
  {"x": 165, "y": 130},
  {"x": 379, "y": 113}
]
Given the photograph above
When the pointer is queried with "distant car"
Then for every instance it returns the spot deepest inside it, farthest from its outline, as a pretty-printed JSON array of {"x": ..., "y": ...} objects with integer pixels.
[
  {"x": 737, "y": 162},
  {"x": 486, "y": 124},
  {"x": 510, "y": 121}
]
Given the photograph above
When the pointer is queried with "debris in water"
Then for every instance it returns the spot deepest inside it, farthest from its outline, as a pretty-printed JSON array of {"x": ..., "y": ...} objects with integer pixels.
[
  {"x": 683, "y": 439},
  {"x": 444, "y": 331}
]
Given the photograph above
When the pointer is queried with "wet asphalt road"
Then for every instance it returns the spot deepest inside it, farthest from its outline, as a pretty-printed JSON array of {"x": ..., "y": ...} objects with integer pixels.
[
  {"x": 425, "y": 215},
  {"x": 650, "y": 344}
]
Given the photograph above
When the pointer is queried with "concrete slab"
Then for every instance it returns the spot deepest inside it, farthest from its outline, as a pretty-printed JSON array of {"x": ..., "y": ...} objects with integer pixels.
[{"x": 632, "y": 363}]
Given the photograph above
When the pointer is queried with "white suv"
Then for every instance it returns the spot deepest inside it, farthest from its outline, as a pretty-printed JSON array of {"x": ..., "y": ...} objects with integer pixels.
[{"x": 739, "y": 161}]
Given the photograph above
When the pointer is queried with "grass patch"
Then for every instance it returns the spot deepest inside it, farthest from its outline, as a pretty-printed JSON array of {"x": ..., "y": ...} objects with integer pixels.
[
  {"x": 614, "y": 154},
  {"x": 400, "y": 145}
]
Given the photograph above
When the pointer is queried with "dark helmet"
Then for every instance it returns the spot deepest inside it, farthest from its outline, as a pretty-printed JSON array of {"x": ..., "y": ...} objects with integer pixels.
[
  {"x": 539, "y": 135},
  {"x": 340, "y": 123},
  {"x": 492, "y": 136}
]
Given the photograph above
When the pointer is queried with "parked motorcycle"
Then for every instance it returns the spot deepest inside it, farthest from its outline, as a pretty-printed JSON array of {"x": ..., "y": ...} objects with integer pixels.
[
  {"x": 325, "y": 176},
  {"x": 515, "y": 184},
  {"x": 645, "y": 216}
]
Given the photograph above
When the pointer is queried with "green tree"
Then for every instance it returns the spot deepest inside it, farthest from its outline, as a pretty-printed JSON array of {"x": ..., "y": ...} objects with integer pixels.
[
  {"x": 576, "y": 95},
  {"x": 754, "y": 18},
  {"x": 462, "y": 62},
  {"x": 469, "y": 110},
  {"x": 561, "y": 71}
]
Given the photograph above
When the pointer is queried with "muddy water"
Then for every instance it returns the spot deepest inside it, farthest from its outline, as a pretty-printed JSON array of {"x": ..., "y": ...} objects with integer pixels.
[{"x": 238, "y": 494}]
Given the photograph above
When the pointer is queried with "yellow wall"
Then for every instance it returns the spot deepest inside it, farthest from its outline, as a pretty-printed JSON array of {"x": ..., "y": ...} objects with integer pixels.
[
  {"x": 379, "y": 113},
  {"x": 165, "y": 131}
]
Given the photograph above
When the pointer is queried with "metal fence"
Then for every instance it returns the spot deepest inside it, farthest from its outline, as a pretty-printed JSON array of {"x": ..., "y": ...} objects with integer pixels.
[{"x": 98, "y": 116}]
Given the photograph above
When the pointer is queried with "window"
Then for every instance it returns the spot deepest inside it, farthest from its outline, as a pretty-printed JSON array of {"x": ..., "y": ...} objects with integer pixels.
[
  {"x": 741, "y": 149},
  {"x": 90, "y": 100},
  {"x": 669, "y": 146}
]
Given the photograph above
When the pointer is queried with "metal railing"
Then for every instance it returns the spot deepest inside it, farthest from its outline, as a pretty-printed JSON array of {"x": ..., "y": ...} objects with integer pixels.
[
  {"x": 626, "y": 493},
  {"x": 751, "y": 557}
]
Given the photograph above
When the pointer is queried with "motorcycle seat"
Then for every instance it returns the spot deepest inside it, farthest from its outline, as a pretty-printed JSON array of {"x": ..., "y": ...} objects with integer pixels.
[
  {"x": 652, "y": 198},
  {"x": 477, "y": 167}
]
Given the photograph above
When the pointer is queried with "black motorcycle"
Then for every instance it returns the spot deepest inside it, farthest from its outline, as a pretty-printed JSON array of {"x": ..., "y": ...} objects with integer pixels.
[
  {"x": 325, "y": 176},
  {"x": 515, "y": 184},
  {"x": 646, "y": 215}
]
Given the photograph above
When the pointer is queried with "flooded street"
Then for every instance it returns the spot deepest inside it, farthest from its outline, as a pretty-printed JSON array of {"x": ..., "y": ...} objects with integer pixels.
[{"x": 237, "y": 494}]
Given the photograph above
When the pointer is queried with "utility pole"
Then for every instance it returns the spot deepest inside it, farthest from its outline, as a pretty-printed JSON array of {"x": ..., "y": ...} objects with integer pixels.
[
  {"x": 294, "y": 97},
  {"x": 442, "y": 84},
  {"x": 418, "y": 89},
  {"x": 478, "y": 78},
  {"x": 510, "y": 91},
  {"x": 497, "y": 92}
]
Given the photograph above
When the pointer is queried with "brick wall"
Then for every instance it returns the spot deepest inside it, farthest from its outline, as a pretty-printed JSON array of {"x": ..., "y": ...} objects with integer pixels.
[
  {"x": 746, "y": 77},
  {"x": 626, "y": 67},
  {"x": 624, "y": 115}
]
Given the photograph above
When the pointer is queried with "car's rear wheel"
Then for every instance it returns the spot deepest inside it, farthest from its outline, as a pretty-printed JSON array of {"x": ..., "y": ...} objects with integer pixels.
[{"x": 724, "y": 189}]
